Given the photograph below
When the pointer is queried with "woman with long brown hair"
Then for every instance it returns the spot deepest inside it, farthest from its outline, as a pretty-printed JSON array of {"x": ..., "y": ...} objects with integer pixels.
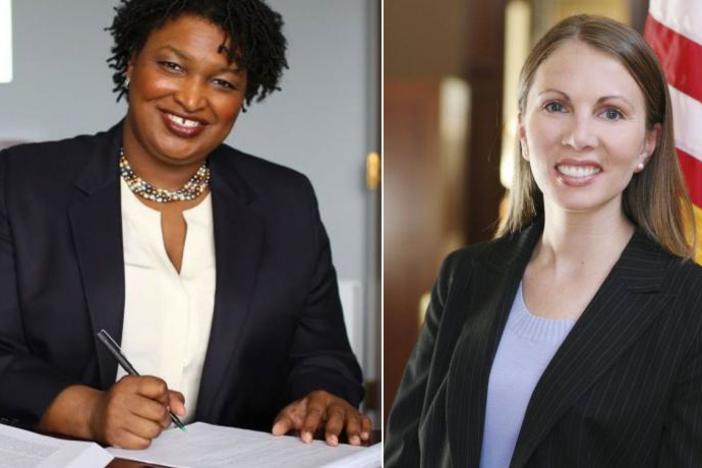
[{"x": 574, "y": 338}]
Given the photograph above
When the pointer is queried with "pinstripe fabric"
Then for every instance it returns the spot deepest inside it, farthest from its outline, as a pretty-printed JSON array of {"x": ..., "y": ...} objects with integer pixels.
[{"x": 623, "y": 390}]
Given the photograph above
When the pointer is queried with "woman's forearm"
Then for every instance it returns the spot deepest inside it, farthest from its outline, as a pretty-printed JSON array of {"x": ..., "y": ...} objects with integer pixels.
[{"x": 71, "y": 413}]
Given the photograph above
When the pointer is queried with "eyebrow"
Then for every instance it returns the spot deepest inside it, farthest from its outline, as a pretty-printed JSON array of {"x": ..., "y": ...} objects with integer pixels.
[
  {"x": 236, "y": 70},
  {"x": 602, "y": 99}
]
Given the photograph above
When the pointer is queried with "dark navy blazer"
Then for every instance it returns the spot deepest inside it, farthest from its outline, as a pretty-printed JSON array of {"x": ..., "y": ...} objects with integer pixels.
[
  {"x": 277, "y": 330},
  {"x": 623, "y": 390}
]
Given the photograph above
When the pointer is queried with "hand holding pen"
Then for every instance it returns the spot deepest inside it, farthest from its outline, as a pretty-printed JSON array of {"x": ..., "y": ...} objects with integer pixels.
[{"x": 136, "y": 409}]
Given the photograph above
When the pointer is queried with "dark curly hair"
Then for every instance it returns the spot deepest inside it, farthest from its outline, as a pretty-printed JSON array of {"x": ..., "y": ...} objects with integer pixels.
[{"x": 250, "y": 24}]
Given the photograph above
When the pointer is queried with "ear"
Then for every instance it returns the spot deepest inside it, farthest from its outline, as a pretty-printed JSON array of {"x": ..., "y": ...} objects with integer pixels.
[
  {"x": 521, "y": 131},
  {"x": 130, "y": 67},
  {"x": 650, "y": 144}
]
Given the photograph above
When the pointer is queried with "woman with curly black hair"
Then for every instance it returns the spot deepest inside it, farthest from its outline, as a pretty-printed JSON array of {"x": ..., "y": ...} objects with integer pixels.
[{"x": 209, "y": 266}]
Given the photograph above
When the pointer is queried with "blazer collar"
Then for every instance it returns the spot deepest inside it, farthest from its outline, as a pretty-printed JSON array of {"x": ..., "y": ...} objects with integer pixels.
[
  {"x": 486, "y": 299},
  {"x": 101, "y": 170},
  {"x": 622, "y": 308},
  {"x": 96, "y": 226},
  {"x": 239, "y": 235}
]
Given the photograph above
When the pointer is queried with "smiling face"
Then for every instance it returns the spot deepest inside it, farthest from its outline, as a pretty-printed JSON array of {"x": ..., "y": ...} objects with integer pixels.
[
  {"x": 184, "y": 94},
  {"x": 583, "y": 130}
]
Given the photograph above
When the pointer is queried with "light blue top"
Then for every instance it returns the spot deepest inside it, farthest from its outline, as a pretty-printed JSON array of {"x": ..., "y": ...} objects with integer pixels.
[{"x": 527, "y": 345}]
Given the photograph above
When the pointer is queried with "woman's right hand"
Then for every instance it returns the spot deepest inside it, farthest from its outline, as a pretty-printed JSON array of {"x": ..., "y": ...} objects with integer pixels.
[
  {"x": 134, "y": 411},
  {"x": 130, "y": 414}
]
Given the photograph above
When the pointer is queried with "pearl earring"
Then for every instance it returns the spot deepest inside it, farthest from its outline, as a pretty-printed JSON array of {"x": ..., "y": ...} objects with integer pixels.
[{"x": 639, "y": 167}]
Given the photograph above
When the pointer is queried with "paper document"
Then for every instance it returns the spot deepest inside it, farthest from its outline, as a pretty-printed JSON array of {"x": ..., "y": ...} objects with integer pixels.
[
  {"x": 368, "y": 458},
  {"x": 25, "y": 449},
  {"x": 208, "y": 446}
]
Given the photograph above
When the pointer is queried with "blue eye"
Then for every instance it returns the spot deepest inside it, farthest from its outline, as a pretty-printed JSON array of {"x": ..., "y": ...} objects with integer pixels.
[
  {"x": 554, "y": 107},
  {"x": 612, "y": 114}
]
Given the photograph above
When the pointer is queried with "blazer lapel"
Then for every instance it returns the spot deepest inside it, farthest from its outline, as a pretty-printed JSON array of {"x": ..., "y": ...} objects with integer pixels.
[
  {"x": 96, "y": 226},
  {"x": 487, "y": 300},
  {"x": 239, "y": 239},
  {"x": 621, "y": 310}
]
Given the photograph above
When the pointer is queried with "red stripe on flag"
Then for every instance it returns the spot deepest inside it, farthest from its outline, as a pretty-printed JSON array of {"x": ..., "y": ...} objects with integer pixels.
[
  {"x": 680, "y": 57},
  {"x": 692, "y": 170}
]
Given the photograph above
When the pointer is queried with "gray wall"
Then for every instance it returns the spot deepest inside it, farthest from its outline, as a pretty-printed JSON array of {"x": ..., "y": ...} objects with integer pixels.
[{"x": 318, "y": 123}]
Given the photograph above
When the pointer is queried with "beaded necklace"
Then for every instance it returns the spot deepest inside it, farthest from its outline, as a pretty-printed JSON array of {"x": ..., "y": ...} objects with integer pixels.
[{"x": 192, "y": 189}]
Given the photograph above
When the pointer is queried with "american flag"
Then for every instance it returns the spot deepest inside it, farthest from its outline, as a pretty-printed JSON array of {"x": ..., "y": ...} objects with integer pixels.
[{"x": 674, "y": 31}]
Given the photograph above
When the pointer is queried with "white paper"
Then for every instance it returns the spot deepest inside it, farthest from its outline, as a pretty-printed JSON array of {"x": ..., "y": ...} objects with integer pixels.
[
  {"x": 368, "y": 458},
  {"x": 25, "y": 449},
  {"x": 208, "y": 446}
]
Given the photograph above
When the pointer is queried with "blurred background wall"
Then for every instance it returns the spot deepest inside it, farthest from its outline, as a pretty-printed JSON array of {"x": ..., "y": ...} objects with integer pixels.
[
  {"x": 451, "y": 70},
  {"x": 324, "y": 123}
]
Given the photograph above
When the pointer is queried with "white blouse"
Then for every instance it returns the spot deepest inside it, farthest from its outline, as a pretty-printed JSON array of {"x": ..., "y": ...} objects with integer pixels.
[{"x": 167, "y": 315}]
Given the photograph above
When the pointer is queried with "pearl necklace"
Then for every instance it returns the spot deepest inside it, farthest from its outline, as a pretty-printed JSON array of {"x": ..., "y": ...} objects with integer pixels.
[{"x": 192, "y": 189}]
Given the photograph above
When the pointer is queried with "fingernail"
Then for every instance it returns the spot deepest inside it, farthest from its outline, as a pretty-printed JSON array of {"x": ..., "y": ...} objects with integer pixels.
[
  {"x": 365, "y": 435},
  {"x": 307, "y": 437},
  {"x": 355, "y": 440},
  {"x": 333, "y": 440}
]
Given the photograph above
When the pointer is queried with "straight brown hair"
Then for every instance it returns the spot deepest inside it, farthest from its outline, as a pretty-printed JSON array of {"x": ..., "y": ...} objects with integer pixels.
[{"x": 656, "y": 199}]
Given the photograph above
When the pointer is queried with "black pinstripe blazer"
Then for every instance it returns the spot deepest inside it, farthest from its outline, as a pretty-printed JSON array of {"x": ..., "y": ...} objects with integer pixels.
[{"x": 623, "y": 390}]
